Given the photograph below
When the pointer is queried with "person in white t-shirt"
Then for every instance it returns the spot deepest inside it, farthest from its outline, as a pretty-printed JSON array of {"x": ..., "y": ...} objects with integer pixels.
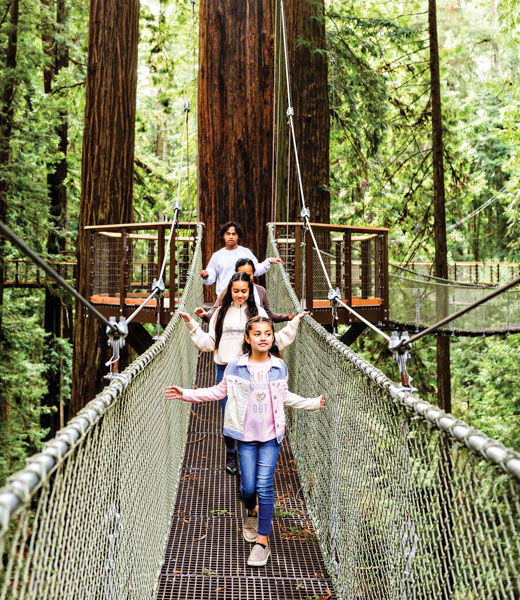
[{"x": 221, "y": 266}]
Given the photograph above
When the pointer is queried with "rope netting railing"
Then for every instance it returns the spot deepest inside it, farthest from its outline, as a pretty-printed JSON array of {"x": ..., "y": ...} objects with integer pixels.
[
  {"x": 417, "y": 301},
  {"x": 464, "y": 272},
  {"x": 408, "y": 502},
  {"x": 90, "y": 514}
]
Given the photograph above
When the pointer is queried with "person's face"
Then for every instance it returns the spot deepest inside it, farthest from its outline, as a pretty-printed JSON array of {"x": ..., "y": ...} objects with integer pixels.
[
  {"x": 231, "y": 238},
  {"x": 260, "y": 337},
  {"x": 247, "y": 269},
  {"x": 239, "y": 291}
]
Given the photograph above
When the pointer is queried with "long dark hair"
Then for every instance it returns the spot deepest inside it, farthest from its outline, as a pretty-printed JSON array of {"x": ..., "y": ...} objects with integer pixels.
[
  {"x": 246, "y": 347},
  {"x": 251, "y": 308}
]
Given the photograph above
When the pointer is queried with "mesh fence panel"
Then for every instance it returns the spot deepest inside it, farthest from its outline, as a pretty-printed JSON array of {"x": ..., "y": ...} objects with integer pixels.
[
  {"x": 408, "y": 502},
  {"x": 19, "y": 272},
  {"x": 419, "y": 302},
  {"x": 492, "y": 273},
  {"x": 94, "y": 524},
  {"x": 142, "y": 259}
]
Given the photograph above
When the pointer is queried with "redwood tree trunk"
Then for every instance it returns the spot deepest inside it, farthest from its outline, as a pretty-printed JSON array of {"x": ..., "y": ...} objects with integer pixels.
[
  {"x": 235, "y": 91},
  {"x": 445, "y": 473},
  {"x": 6, "y": 127},
  {"x": 107, "y": 167},
  {"x": 56, "y": 310},
  {"x": 441, "y": 250},
  {"x": 235, "y": 116},
  {"x": 308, "y": 70}
]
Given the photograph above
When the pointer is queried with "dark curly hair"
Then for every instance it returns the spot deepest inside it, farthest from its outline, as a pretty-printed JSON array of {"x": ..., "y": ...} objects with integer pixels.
[
  {"x": 251, "y": 307},
  {"x": 229, "y": 224},
  {"x": 246, "y": 347}
]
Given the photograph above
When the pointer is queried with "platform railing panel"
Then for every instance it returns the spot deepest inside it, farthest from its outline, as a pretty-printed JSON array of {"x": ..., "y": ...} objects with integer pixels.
[
  {"x": 484, "y": 273},
  {"x": 353, "y": 259},
  {"x": 89, "y": 516},
  {"x": 414, "y": 303},
  {"x": 139, "y": 249},
  {"x": 21, "y": 272},
  {"x": 408, "y": 502}
]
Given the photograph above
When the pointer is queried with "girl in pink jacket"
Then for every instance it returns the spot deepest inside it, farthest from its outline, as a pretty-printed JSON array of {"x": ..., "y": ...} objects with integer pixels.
[{"x": 256, "y": 386}]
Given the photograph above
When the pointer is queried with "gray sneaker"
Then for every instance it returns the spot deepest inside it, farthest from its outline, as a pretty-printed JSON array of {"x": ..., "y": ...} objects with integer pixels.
[
  {"x": 250, "y": 529},
  {"x": 258, "y": 556}
]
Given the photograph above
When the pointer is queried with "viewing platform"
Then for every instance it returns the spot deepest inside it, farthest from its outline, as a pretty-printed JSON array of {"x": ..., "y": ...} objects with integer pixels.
[{"x": 126, "y": 259}]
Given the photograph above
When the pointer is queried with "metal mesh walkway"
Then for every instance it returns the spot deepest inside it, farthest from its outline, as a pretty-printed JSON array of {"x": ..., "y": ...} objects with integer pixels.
[{"x": 206, "y": 555}]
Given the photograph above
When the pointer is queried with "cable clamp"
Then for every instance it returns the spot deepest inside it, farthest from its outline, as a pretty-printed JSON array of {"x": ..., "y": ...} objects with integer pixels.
[
  {"x": 305, "y": 213},
  {"x": 290, "y": 112},
  {"x": 158, "y": 286},
  {"x": 116, "y": 339},
  {"x": 399, "y": 347},
  {"x": 334, "y": 296},
  {"x": 187, "y": 107},
  {"x": 177, "y": 205}
]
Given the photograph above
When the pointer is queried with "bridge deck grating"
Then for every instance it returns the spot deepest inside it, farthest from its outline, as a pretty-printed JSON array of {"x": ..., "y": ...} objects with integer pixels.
[{"x": 206, "y": 555}]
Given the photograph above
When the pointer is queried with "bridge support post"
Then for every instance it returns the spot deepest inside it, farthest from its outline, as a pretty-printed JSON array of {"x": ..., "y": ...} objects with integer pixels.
[{"x": 352, "y": 334}]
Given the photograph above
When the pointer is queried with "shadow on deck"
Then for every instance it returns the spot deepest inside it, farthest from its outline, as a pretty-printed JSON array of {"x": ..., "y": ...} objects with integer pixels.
[{"x": 206, "y": 555}]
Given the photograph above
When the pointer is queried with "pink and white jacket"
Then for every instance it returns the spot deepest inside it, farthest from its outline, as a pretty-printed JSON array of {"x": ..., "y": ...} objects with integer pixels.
[{"x": 235, "y": 384}]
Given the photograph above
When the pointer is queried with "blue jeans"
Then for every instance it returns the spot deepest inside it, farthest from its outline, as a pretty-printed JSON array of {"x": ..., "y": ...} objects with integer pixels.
[
  {"x": 229, "y": 441},
  {"x": 257, "y": 464}
]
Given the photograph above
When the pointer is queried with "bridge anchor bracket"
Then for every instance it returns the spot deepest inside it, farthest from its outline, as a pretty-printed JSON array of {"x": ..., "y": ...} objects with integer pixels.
[
  {"x": 399, "y": 347},
  {"x": 333, "y": 296},
  {"x": 116, "y": 339},
  {"x": 158, "y": 287}
]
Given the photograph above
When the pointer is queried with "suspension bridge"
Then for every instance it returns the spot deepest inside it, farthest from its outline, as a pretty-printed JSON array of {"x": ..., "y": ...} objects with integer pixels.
[
  {"x": 381, "y": 495},
  {"x": 404, "y": 500}
]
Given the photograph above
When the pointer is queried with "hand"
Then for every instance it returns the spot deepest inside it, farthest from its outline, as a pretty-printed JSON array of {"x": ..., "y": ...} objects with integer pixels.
[
  {"x": 291, "y": 316},
  {"x": 275, "y": 259},
  {"x": 302, "y": 314},
  {"x": 204, "y": 274},
  {"x": 322, "y": 401},
  {"x": 185, "y": 316},
  {"x": 200, "y": 312},
  {"x": 173, "y": 393}
]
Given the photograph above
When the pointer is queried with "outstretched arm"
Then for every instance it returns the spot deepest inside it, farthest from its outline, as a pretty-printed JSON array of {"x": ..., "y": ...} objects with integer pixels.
[
  {"x": 204, "y": 341},
  {"x": 209, "y": 274},
  {"x": 286, "y": 336},
  {"x": 310, "y": 404},
  {"x": 264, "y": 302},
  {"x": 215, "y": 392},
  {"x": 218, "y": 302}
]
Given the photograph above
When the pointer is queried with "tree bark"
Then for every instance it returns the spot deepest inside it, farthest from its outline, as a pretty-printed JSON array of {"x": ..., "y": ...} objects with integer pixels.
[
  {"x": 441, "y": 250},
  {"x": 6, "y": 127},
  {"x": 56, "y": 309},
  {"x": 235, "y": 116},
  {"x": 308, "y": 68},
  {"x": 235, "y": 91},
  {"x": 445, "y": 545},
  {"x": 107, "y": 164}
]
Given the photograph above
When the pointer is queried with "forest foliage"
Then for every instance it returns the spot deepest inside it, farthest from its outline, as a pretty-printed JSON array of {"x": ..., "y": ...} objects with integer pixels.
[{"x": 380, "y": 156}]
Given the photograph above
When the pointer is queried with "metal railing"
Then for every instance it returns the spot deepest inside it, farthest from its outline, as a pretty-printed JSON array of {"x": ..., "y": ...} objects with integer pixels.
[
  {"x": 89, "y": 516},
  {"x": 408, "y": 502},
  {"x": 21, "y": 272},
  {"x": 126, "y": 260},
  {"x": 356, "y": 262}
]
